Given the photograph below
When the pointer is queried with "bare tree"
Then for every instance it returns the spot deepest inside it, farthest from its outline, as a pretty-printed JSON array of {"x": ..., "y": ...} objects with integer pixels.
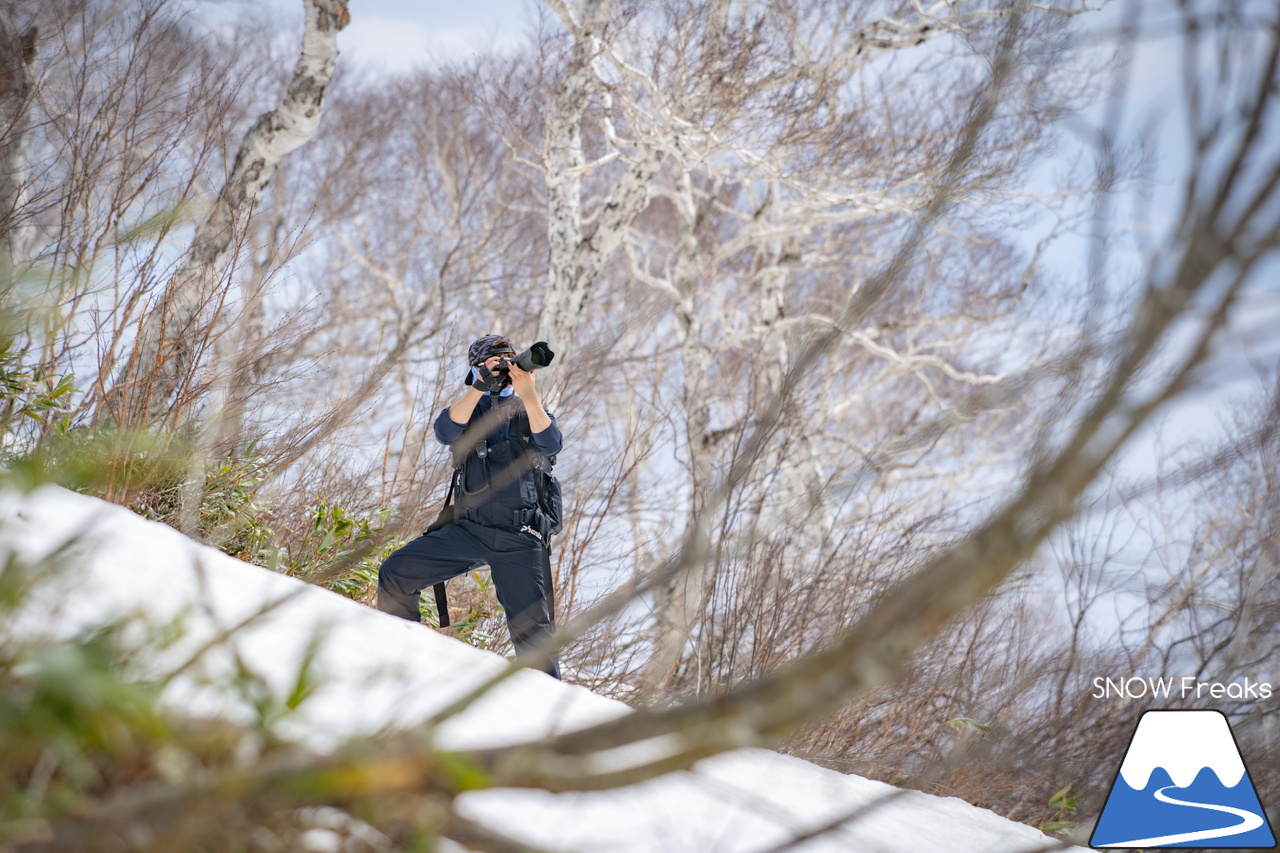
[
  {"x": 735, "y": 153},
  {"x": 111, "y": 166},
  {"x": 167, "y": 345}
]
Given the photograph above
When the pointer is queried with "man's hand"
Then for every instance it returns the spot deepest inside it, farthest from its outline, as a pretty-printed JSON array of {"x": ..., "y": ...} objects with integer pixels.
[
  {"x": 523, "y": 381},
  {"x": 526, "y": 387}
]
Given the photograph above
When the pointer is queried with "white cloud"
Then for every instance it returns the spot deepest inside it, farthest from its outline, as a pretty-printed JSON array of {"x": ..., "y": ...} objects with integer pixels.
[{"x": 393, "y": 45}]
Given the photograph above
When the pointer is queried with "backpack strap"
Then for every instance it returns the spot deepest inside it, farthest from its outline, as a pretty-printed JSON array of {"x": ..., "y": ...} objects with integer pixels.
[
  {"x": 522, "y": 433},
  {"x": 442, "y": 604},
  {"x": 442, "y": 599},
  {"x": 545, "y": 517}
]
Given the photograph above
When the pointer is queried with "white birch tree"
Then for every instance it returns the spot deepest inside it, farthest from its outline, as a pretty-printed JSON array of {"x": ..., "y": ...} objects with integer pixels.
[
  {"x": 738, "y": 153},
  {"x": 169, "y": 341},
  {"x": 17, "y": 58}
]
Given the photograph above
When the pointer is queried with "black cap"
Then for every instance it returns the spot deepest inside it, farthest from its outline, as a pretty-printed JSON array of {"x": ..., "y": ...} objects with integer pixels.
[{"x": 487, "y": 347}]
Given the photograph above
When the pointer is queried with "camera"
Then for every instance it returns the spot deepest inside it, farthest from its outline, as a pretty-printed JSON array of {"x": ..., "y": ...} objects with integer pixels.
[{"x": 536, "y": 356}]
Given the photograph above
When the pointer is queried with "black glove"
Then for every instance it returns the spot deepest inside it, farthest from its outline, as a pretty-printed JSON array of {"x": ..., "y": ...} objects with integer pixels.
[{"x": 488, "y": 382}]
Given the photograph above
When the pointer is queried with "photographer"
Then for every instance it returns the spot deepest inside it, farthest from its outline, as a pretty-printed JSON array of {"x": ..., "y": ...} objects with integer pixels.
[{"x": 503, "y": 441}]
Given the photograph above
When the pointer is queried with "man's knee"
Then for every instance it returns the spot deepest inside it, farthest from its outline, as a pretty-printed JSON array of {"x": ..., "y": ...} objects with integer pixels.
[
  {"x": 397, "y": 593},
  {"x": 391, "y": 576}
]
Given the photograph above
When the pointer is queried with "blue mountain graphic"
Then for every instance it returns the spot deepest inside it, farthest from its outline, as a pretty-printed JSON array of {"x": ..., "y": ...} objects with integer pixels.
[{"x": 1132, "y": 814}]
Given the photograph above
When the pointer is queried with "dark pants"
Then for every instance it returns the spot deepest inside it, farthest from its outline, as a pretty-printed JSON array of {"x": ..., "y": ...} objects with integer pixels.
[{"x": 518, "y": 562}]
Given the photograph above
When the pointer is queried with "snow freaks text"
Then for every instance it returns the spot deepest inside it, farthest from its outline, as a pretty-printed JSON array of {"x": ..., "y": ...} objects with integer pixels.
[{"x": 1185, "y": 687}]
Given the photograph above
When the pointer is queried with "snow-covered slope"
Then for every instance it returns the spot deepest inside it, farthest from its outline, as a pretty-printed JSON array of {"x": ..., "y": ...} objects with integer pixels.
[{"x": 380, "y": 673}]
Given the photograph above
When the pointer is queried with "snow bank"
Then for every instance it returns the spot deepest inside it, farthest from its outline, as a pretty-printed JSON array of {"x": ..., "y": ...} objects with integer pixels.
[{"x": 378, "y": 672}]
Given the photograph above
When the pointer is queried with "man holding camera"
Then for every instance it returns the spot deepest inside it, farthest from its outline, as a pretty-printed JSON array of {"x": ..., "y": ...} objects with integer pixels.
[{"x": 502, "y": 441}]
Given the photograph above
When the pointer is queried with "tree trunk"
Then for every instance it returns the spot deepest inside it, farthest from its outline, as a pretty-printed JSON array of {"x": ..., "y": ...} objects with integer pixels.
[
  {"x": 17, "y": 59},
  {"x": 171, "y": 338},
  {"x": 679, "y": 603},
  {"x": 576, "y": 257}
]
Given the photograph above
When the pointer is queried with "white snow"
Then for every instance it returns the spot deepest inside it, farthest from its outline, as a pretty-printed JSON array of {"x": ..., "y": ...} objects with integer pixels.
[
  {"x": 381, "y": 673},
  {"x": 1183, "y": 743}
]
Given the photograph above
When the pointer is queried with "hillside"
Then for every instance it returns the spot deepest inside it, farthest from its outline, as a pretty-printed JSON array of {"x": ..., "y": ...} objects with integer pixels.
[{"x": 378, "y": 674}]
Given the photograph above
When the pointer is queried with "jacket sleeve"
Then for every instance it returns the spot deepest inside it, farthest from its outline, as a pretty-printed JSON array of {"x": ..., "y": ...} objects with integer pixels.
[
  {"x": 549, "y": 441},
  {"x": 447, "y": 432}
]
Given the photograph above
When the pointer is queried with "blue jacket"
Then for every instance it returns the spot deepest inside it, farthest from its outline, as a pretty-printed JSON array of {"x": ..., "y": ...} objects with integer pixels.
[{"x": 489, "y": 494}]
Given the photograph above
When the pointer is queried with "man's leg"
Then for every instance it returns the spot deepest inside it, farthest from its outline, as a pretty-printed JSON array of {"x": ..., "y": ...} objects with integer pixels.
[
  {"x": 522, "y": 578},
  {"x": 430, "y": 559}
]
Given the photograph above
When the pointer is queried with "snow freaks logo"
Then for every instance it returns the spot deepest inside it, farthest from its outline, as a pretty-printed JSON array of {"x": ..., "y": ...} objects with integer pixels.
[
  {"x": 1183, "y": 782},
  {"x": 1186, "y": 687}
]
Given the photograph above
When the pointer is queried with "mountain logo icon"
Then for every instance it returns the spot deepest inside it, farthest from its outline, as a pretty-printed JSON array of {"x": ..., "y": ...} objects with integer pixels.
[{"x": 1182, "y": 783}]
